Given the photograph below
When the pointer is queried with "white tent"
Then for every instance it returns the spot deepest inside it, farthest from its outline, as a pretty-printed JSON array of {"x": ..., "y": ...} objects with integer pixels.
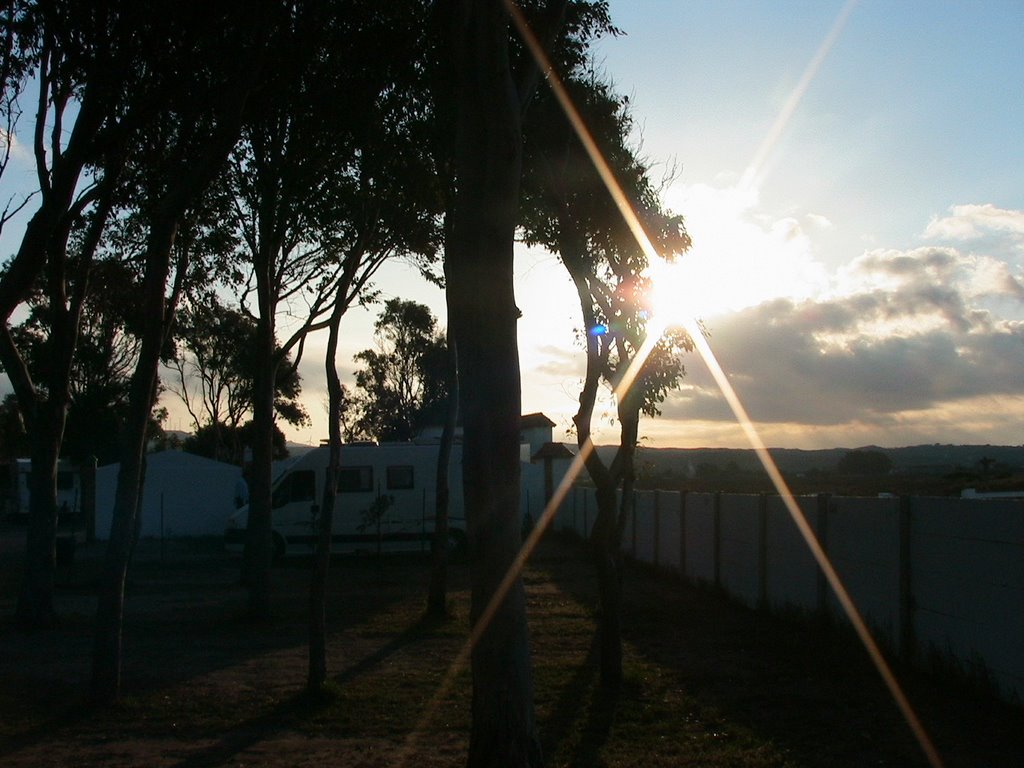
[{"x": 184, "y": 495}]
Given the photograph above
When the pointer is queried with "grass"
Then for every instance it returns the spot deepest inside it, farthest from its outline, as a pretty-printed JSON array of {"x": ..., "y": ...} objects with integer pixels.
[{"x": 707, "y": 683}]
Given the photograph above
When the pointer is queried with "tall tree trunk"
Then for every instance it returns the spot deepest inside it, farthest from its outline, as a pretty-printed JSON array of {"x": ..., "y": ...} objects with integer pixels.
[
  {"x": 482, "y": 319},
  {"x": 106, "y": 660},
  {"x": 259, "y": 539},
  {"x": 184, "y": 189},
  {"x": 35, "y": 608},
  {"x": 317, "y": 675},
  {"x": 437, "y": 593},
  {"x": 43, "y": 251},
  {"x": 606, "y": 535}
]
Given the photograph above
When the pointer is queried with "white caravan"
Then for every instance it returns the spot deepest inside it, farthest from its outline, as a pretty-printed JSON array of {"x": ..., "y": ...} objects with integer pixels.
[{"x": 385, "y": 501}]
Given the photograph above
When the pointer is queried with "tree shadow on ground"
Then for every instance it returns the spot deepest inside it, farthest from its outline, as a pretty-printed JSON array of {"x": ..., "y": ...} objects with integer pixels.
[
  {"x": 581, "y": 720},
  {"x": 301, "y": 706},
  {"x": 806, "y": 688},
  {"x": 182, "y": 623}
]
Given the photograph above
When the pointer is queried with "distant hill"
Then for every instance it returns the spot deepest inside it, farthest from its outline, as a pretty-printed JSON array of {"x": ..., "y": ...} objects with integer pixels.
[
  {"x": 920, "y": 469},
  {"x": 931, "y": 459}
]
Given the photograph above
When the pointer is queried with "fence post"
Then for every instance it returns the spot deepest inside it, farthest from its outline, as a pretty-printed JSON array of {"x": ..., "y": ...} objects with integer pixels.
[
  {"x": 824, "y": 504},
  {"x": 575, "y": 498},
  {"x": 657, "y": 526},
  {"x": 632, "y": 514},
  {"x": 718, "y": 539},
  {"x": 87, "y": 482},
  {"x": 762, "y": 550},
  {"x": 682, "y": 533},
  {"x": 906, "y": 632}
]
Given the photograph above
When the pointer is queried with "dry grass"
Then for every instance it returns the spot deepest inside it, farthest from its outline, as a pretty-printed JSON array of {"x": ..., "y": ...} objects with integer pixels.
[{"x": 708, "y": 683}]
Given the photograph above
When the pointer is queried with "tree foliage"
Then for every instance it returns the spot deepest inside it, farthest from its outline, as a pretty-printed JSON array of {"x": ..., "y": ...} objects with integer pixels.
[
  {"x": 215, "y": 375},
  {"x": 401, "y": 383}
]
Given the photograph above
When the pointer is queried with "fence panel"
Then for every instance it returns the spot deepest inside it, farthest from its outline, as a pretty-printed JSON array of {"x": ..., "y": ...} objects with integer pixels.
[
  {"x": 862, "y": 539},
  {"x": 669, "y": 530},
  {"x": 700, "y": 536},
  {"x": 739, "y": 547},
  {"x": 791, "y": 571},
  {"x": 644, "y": 530},
  {"x": 967, "y": 577}
]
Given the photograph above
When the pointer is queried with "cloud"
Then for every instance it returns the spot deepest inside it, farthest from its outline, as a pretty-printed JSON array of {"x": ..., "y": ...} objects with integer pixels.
[
  {"x": 902, "y": 332},
  {"x": 968, "y": 222}
]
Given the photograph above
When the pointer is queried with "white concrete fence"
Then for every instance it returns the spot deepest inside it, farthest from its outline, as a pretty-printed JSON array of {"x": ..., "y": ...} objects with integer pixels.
[{"x": 935, "y": 578}]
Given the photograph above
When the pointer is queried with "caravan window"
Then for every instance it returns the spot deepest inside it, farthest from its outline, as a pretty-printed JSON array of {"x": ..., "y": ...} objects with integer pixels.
[
  {"x": 400, "y": 477},
  {"x": 296, "y": 486},
  {"x": 355, "y": 479}
]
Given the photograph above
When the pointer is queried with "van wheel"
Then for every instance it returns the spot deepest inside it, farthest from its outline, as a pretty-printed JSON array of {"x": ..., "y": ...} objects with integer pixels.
[{"x": 279, "y": 545}]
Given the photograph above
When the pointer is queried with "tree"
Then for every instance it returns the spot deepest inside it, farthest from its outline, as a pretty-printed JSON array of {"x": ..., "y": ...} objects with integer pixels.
[
  {"x": 85, "y": 61},
  {"x": 570, "y": 211},
  {"x": 401, "y": 384},
  {"x": 394, "y": 215},
  {"x": 484, "y": 105},
  {"x": 330, "y": 182},
  {"x": 216, "y": 371},
  {"x": 213, "y": 57}
]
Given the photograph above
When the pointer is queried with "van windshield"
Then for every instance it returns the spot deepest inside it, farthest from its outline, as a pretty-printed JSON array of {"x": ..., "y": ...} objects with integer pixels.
[{"x": 295, "y": 487}]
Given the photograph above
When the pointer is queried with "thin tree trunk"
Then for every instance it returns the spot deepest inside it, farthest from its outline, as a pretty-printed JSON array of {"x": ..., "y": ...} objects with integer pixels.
[
  {"x": 259, "y": 540},
  {"x": 106, "y": 660},
  {"x": 437, "y": 594},
  {"x": 317, "y": 675}
]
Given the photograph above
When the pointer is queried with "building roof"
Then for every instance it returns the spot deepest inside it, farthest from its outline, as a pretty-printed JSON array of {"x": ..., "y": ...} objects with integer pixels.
[
  {"x": 533, "y": 420},
  {"x": 552, "y": 451}
]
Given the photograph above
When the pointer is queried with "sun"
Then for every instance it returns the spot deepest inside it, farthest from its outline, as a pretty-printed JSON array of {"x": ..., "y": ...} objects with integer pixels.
[{"x": 685, "y": 290}]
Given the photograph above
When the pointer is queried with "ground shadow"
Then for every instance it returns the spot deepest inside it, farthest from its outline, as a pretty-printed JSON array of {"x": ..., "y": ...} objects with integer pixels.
[{"x": 805, "y": 687}]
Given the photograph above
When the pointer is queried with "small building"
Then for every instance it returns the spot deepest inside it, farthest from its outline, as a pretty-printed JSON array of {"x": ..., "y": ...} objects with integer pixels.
[{"x": 535, "y": 431}]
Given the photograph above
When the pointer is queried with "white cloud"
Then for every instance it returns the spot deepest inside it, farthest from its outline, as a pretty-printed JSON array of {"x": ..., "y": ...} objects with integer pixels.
[{"x": 967, "y": 222}]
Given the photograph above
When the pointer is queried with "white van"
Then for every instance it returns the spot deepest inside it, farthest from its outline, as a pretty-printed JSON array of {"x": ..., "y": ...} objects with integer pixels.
[
  {"x": 385, "y": 501},
  {"x": 69, "y": 487}
]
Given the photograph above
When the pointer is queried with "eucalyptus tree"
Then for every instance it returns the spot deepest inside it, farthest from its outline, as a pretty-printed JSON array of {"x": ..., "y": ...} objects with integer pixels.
[
  {"x": 209, "y": 62},
  {"x": 214, "y": 370},
  {"x": 570, "y": 211},
  {"x": 486, "y": 82},
  {"x": 390, "y": 210},
  {"x": 400, "y": 383},
  {"x": 330, "y": 181},
  {"x": 82, "y": 64}
]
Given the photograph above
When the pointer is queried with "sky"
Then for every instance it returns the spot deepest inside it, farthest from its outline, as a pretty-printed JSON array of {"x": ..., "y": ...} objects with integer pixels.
[{"x": 852, "y": 177}]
